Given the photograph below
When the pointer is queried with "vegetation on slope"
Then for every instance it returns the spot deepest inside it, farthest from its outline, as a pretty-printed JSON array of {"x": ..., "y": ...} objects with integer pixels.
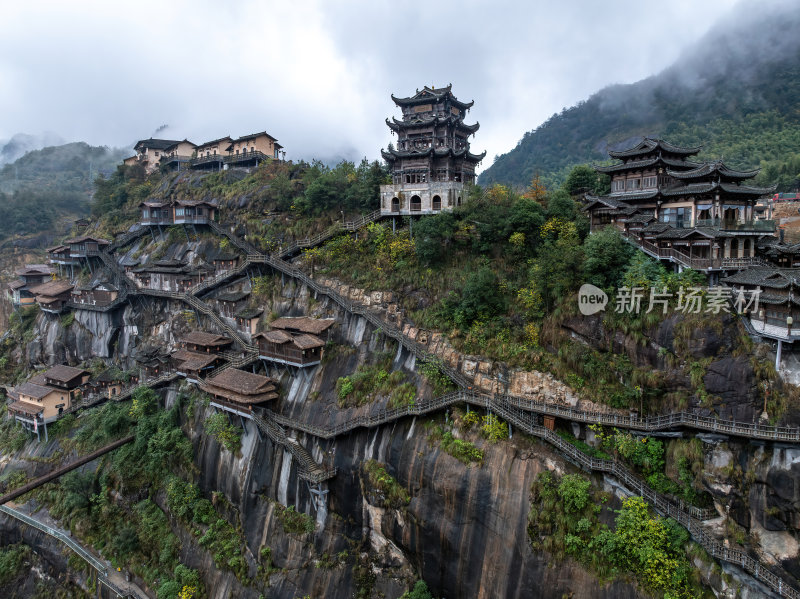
[
  {"x": 565, "y": 521},
  {"x": 45, "y": 185}
]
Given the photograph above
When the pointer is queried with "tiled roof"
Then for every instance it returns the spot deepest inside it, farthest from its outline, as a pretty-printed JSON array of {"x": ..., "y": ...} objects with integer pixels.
[
  {"x": 248, "y": 313},
  {"x": 33, "y": 390},
  {"x": 306, "y": 341},
  {"x": 64, "y": 373},
  {"x": 52, "y": 288},
  {"x": 651, "y": 144},
  {"x": 232, "y": 296},
  {"x": 315, "y": 326},
  {"x": 155, "y": 144},
  {"x": 241, "y": 387},
  {"x": 85, "y": 238},
  {"x": 765, "y": 276},
  {"x": 25, "y": 408},
  {"x": 203, "y": 338},
  {"x": 278, "y": 337},
  {"x": 34, "y": 269}
]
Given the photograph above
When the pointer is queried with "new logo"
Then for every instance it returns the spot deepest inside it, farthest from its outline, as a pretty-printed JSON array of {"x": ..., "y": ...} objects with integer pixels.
[{"x": 591, "y": 299}]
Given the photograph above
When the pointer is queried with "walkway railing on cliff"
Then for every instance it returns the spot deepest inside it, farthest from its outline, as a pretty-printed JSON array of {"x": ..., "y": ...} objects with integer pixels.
[
  {"x": 520, "y": 415},
  {"x": 100, "y": 567}
]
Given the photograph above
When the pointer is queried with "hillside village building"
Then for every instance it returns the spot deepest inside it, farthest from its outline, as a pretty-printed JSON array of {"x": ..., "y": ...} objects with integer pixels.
[
  {"x": 215, "y": 155},
  {"x": 32, "y": 275},
  {"x": 43, "y": 398},
  {"x": 432, "y": 162},
  {"x": 695, "y": 214}
]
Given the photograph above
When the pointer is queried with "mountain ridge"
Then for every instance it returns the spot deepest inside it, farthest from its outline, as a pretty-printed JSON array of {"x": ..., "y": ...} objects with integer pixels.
[{"x": 733, "y": 93}]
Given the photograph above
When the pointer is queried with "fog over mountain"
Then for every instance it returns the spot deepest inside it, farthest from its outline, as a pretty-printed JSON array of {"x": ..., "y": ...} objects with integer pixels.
[
  {"x": 318, "y": 75},
  {"x": 747, "y": 67}
]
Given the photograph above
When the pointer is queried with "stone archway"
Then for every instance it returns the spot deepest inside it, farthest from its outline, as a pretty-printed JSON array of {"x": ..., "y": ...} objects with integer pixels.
[
  {"x": 395, "y": 204},
  {"x": 436, "y": 203},
  {"x": 416, "y": 204}
]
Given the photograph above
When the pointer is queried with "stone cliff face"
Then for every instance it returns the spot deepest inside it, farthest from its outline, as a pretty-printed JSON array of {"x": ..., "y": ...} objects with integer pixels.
[
  {"x": 728, "y": 377},
  {"x": 464, "y": 530}
]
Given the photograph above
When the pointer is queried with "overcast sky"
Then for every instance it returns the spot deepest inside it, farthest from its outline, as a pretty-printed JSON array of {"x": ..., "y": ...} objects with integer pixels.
[{"x": 318, "y": 75}]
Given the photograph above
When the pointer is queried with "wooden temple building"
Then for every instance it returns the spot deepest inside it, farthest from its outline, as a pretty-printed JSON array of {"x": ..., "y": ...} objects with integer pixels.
[
  {"x": 205, "y": 343},
  {"x": 778, "y": 313},
  {"x": 238, "y": 391},
  {"x": 193, "y": 365},
  {"x": 53, "y": 296},
  {"x": 294, "y": 341},
  {"x": 699, "y": 215},
  {"x": 432, "y": 162}
]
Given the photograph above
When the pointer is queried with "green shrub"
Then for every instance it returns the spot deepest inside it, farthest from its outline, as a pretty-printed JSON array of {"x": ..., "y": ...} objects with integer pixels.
[
  {"x": 294, "y": 522},
  {"x": 390, "y": 492},
  {"x": 12, "y": 559},
  {"x": 226, "y": 434},
  {"x": 464, "y": 451},
  {"x": 494, "y": 429}
]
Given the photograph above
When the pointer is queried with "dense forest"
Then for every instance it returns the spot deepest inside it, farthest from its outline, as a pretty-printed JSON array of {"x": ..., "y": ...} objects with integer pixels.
[
  {"x": 46, "y": 185},
  {"x": 735, "y": 93}
]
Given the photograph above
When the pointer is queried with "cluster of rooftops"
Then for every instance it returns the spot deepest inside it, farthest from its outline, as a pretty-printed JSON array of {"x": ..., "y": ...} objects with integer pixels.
[
  {"x": 698, "y": 214},
  {"x": 36, "y": 284},
  {"x": 217, "y": 154}
]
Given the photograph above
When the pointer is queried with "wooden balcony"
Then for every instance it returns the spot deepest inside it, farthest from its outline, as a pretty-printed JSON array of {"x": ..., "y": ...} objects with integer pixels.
[{"x": 250, "y": 157}]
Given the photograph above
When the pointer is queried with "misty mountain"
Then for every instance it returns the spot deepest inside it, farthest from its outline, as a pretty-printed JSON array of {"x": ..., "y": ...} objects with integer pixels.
[
  {"x": 736, "y": 92},
  {"x": 51, "y": 184},
  {"x": 19, "y": 144}
]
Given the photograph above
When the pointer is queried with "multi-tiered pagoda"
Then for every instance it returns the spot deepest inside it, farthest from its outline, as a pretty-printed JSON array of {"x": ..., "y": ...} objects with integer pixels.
[
  {"x": 431, "y": 162},
  {"x": 696, "y": 214}
]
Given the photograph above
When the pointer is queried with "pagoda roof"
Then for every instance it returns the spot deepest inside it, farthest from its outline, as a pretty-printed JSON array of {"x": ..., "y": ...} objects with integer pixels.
[
  {"x": 154, "y": 203},
  {"x": 675, "y": 233},
  {"x": 391, "y": 155},
  {"x": 765, "y": 276},
  {"x": 716, "y": 168},
  {"x": 397, "y": 124},
  {"x": 155, "y": 144},
  {"x": 646, "y": 162},
  {"x": 432, "y": 94},
  {"x": 212, "y": 203},
  {"x": 640, "y": 217},
  {"x": 648, "y": 145},
  {"x": 635, "y": 195},
  {"x": 707, "y": 187},
  {"x": 614, "y": 205}
]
